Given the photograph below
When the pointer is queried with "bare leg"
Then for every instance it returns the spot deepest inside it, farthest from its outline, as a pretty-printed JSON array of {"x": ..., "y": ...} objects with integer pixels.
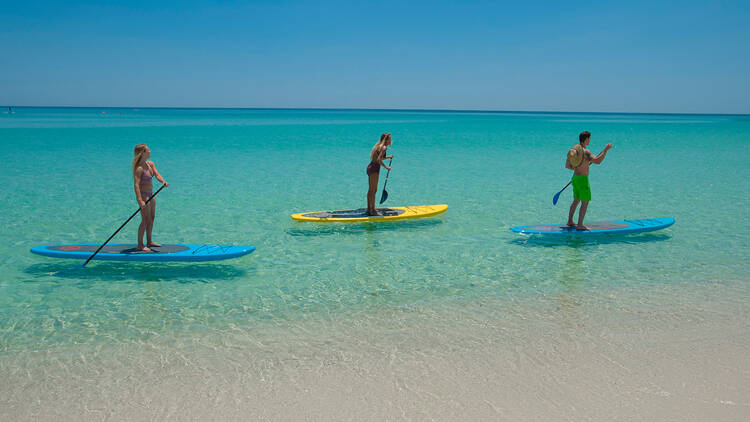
[
  {"x": 581, "y": 215},
  {"x": 150, "y": 227},
  {"x": 371, "y": 192},
  {"x": 573, "y": 207},
  {"x": 145, "y": 216}
]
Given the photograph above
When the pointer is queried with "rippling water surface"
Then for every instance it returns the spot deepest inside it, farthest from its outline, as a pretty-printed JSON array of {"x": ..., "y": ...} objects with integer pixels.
[{"x": 442, "y": 310}]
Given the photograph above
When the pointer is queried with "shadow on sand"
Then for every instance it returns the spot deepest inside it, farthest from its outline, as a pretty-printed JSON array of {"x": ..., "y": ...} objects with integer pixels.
[
  {"x": 583, "y": 241},
  {"x": 327, "y": 229},
  {"x": 140, "y": 271}
]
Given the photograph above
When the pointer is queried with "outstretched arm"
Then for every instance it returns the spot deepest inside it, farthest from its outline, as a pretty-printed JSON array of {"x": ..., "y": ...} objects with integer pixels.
[
  {"x": 157, "y": 175},
  {"x": 599, "y": 158},
  {"x": 383, "y": 158}
]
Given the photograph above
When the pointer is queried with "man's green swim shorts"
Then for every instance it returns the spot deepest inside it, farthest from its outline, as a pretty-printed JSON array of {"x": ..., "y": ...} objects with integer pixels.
[{"x": 581, "y": 187}]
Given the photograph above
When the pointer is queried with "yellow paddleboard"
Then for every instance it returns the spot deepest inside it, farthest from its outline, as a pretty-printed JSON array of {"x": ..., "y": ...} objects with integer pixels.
[{"x": 360, "y": 215}]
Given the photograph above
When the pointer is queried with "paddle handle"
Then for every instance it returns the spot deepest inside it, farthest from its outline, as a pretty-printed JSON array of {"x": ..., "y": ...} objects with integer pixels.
[{"x": 123, "y": 225}]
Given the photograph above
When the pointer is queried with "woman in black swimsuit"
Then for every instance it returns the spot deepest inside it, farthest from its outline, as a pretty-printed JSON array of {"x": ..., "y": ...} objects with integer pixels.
[{"x": 377, "y": 155}]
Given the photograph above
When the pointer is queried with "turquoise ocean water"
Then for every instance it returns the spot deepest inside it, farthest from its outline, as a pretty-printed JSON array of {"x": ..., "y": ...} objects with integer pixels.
[{"x": 236, "y": 175}]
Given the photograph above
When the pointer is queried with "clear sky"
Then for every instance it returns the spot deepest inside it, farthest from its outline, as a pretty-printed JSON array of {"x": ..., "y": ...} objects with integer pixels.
[{"x": 630, "y": 56}]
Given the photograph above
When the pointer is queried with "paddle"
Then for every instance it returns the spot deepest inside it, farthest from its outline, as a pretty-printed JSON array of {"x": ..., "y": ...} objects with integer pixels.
[
  {"x": 118, "y": 230},
  {"x": 384, "y": 196},
  {"x": 557, "y": 195}
]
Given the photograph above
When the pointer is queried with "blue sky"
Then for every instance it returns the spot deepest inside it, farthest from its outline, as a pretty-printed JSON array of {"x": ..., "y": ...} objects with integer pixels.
[{"x": 635, "y": 56}]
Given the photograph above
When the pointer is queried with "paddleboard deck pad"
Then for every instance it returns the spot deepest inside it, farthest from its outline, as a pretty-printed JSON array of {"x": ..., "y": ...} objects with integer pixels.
[
  {"x": 360, "y": 215},
  {"x": 605, "y": 227},
  {"x": 130, "y": 252}
]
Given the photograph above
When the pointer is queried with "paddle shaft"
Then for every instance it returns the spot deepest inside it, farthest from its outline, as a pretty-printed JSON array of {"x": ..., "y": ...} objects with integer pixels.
[
  {"x": 387, "y": 173},
  {"x": 554, "y": 200},
  {"x": 123, "y": 225},
  {"x": 384, "y": 195},
  {"x": 566, "y": 186}
]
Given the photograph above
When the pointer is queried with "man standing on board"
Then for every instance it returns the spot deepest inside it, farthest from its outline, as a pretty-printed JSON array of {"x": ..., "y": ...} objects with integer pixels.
[{"x": 579, "y": 160}]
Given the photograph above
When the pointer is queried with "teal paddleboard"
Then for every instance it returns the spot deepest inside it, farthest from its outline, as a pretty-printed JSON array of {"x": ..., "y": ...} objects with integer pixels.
[
  {"x": 130, "y": 252},
  {"x": 604, "y": 227}
]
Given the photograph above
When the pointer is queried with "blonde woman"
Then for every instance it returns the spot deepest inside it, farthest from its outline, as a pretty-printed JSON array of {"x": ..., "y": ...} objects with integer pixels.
[
  {"x": 143, "y": 172},
  {"x": 377, "y": 155}
]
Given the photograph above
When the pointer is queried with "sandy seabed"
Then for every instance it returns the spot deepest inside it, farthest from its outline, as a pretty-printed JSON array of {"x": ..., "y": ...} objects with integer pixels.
[{"x": 651, "y": 354}]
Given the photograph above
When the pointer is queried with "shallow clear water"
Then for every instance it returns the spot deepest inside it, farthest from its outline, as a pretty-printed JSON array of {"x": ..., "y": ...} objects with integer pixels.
[{"x": 236, "y": 175}]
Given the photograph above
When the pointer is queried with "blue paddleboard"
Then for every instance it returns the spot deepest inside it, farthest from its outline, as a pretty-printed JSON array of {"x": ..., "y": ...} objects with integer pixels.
[
  {"x": 130, "y": 252},
  {"x": 604, "y": 227}
]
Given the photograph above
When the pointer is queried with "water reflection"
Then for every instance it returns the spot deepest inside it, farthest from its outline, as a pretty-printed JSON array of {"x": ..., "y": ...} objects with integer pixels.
[{"x": 586, "y": 241}]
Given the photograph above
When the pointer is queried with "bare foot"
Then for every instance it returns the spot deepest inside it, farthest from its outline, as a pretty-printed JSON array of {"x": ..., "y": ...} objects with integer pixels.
[
  {"x": 581, "y": 228},
  {"x": 571, "y": 224},
  {"x": 153, "y": 244},
  {"x": 375, "y": 213},
  {"x": 144, "y": 248}
]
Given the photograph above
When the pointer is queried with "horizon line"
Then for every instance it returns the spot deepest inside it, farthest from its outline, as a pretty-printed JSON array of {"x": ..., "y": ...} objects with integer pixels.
[{"x": 437, "y": 110}]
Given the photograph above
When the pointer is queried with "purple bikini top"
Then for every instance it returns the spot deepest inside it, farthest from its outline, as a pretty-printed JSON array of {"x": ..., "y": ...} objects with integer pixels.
[{"x": 146, "y": 177}]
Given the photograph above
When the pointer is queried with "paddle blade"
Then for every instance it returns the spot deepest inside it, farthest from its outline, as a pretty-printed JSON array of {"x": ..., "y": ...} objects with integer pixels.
[
  {"x": 384, "y": 196},
  {"x": 555, "y": 198},
  {"x": 557, "y": 195}
]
